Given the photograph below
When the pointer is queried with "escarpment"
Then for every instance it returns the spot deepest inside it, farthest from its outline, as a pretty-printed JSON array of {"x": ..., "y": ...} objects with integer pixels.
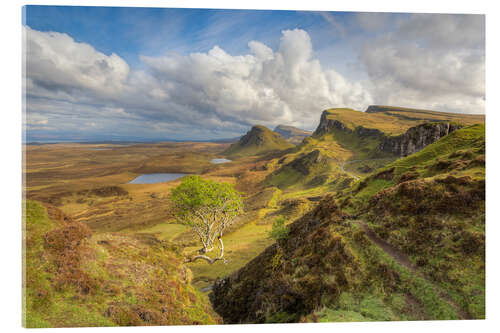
[
  {"x": 416, "y": 138},
  {"x": 328, "y": 124}
]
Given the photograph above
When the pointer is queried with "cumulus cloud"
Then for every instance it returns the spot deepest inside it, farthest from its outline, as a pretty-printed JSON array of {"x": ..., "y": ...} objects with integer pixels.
[
  {"x": 421, "y": 60},
  {"x": 56, "y": 64},
  {"x": 212, "y": 92},
  {"x": 429, "y": 61},
  {"x": 261, "y": 87}
]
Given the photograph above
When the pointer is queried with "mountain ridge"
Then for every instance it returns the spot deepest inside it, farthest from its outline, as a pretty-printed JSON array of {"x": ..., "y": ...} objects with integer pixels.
[{"x": 258, "y": 140}]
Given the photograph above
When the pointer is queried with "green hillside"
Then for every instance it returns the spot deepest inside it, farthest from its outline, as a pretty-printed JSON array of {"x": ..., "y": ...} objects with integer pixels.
[
  {"x": 340, "y": 227},
  {"x": 74, "y": 278},
  {"x": 258, "y": 140},
  {"x": 406, "y": 243}
]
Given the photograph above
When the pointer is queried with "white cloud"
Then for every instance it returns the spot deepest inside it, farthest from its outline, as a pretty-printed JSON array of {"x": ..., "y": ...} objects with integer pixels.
[
  {"x": 430, "y": 61},
  {"x": 58, "y": 66},
  {"x": 425, "y": 61},
  {"x": 214, "y": 91}
]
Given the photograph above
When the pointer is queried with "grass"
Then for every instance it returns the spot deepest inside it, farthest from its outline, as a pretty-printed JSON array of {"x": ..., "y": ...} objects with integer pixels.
[
  {"x": 391, "y": 123},
  {"x": 258, "y": 140},
  {"x": 165, "y": 231},
  {"x": 105, "y": 279},
  {"x": 133, "y": 233},
  {"x": 241, "y": 246}
]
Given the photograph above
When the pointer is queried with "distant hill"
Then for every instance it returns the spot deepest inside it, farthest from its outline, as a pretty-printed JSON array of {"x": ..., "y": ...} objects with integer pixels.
[
  {"x": 405, "y": 243},
  {"x": 363, "y": 142},
  {"x": 392, "y": 120},
  {"x": 292, "y": 134},
  {"x": 258, "y": 140}
]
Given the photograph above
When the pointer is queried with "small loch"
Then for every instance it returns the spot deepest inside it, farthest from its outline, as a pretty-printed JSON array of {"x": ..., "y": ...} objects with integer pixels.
[
  {"x": 153, "y": 178},
  {"x": 219, "y": 160}
]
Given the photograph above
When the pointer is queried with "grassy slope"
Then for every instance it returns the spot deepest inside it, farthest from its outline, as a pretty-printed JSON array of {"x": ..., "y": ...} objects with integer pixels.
[
  {"x": 337, "y": 146},
  {"x": 437, "y": 219},
  {"x": 76, "y": 279},
  {"x": 454, "y": 154},
  {"x": 427, "y": 115},
  {"x": 394, "y": 120},
  {"x": 431, "y": 206},
  {"x": 246, "y": 243},
  {"x": 258, "y": 140},
  {"x": 326, "y": 270}
]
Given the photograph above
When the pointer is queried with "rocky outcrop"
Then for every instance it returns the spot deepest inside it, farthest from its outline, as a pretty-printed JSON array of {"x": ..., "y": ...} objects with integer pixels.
[
  {"x": 327, "y": 125},
  {"x": 416, "y": 138}
]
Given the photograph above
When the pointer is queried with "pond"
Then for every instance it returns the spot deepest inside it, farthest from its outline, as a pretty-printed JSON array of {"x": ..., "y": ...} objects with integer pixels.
[
  {"x": 219, "y": 160},
  {"x": 153, "y": 178}
]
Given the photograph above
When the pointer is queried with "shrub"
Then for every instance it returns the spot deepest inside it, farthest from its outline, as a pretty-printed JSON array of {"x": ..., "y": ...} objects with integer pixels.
[{"x": 279, "y": 230}]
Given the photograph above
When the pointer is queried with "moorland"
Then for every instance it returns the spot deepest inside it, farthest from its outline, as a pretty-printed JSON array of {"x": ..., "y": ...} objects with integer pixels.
[{"x": 384, "y": 216}]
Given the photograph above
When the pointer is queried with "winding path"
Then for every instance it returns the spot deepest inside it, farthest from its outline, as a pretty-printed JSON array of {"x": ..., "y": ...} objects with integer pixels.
[
  {"x": 348, "y": 173},
  {"x": 402, "y": 259}
]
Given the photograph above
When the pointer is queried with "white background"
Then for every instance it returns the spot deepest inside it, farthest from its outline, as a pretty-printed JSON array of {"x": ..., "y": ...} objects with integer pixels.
[{"x": 10, "y": 156}]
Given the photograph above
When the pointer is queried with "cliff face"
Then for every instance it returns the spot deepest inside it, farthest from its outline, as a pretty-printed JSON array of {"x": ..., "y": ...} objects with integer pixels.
[
  {"x": 416, "y": 138},
  {"x": 326, "y": 125}
]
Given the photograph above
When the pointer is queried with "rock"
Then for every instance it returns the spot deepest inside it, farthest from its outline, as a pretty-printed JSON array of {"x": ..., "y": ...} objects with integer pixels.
[
  {"x": 327, "y": 125},
  {"x": 416, "y": 138}
]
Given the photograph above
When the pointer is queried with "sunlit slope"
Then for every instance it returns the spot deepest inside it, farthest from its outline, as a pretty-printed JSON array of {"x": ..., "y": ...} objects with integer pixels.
[
  {"x": 406, "y": 243},
  {"x": 350, "y": 142},
  {"x": 74, "y": 278},
  {"x": 258, "y": 140},
  {"x": 417, "y": 115},
  {"x": 431, "y": 206},
  {"x": 461, "y": 153}
]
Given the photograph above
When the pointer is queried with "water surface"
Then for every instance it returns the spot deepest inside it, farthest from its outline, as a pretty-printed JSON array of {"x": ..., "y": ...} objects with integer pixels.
[
  {"x": 153, "y": 178},
  {"x": 220, "y": 160}
]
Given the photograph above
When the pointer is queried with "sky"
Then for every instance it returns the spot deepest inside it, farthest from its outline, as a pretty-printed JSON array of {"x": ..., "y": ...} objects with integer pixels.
[{"x": 146, "y": 74}]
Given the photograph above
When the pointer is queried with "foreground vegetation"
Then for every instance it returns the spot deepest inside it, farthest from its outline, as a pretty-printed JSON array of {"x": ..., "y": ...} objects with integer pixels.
[
  {"x": 332, "y": 229},
  {"x": 76, "y": 278}
]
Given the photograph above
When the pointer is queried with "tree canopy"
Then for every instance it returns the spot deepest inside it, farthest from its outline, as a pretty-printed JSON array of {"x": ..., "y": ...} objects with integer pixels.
[{"x": 208, "y": 207}]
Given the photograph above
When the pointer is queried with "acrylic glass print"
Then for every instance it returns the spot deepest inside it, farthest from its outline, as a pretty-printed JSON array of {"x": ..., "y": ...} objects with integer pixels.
[{"x": 197, "y": 166}]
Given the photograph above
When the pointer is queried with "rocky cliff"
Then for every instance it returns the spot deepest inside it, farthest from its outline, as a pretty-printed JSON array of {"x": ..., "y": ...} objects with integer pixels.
[
  {"x": 416, "y": 138},
  {"x": 327, "y": 125}
]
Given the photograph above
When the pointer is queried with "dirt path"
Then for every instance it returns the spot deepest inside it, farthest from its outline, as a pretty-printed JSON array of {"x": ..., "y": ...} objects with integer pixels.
[
  {"x": 402, "y": 259},
  {"x": 353, "y": 161}
]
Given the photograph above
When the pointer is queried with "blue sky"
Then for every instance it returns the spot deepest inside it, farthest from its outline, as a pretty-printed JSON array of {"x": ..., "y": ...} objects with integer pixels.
[
  {"x": 130, "y": 32},
  {"x": 153, "y": 73}
]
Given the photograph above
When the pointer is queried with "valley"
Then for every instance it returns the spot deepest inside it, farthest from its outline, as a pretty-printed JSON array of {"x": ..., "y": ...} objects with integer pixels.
[{"x": 384, "y": 210}]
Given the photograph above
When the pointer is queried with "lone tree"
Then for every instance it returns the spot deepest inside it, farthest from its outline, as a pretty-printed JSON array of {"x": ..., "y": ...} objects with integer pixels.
[{"x": 209, "y": 208}]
